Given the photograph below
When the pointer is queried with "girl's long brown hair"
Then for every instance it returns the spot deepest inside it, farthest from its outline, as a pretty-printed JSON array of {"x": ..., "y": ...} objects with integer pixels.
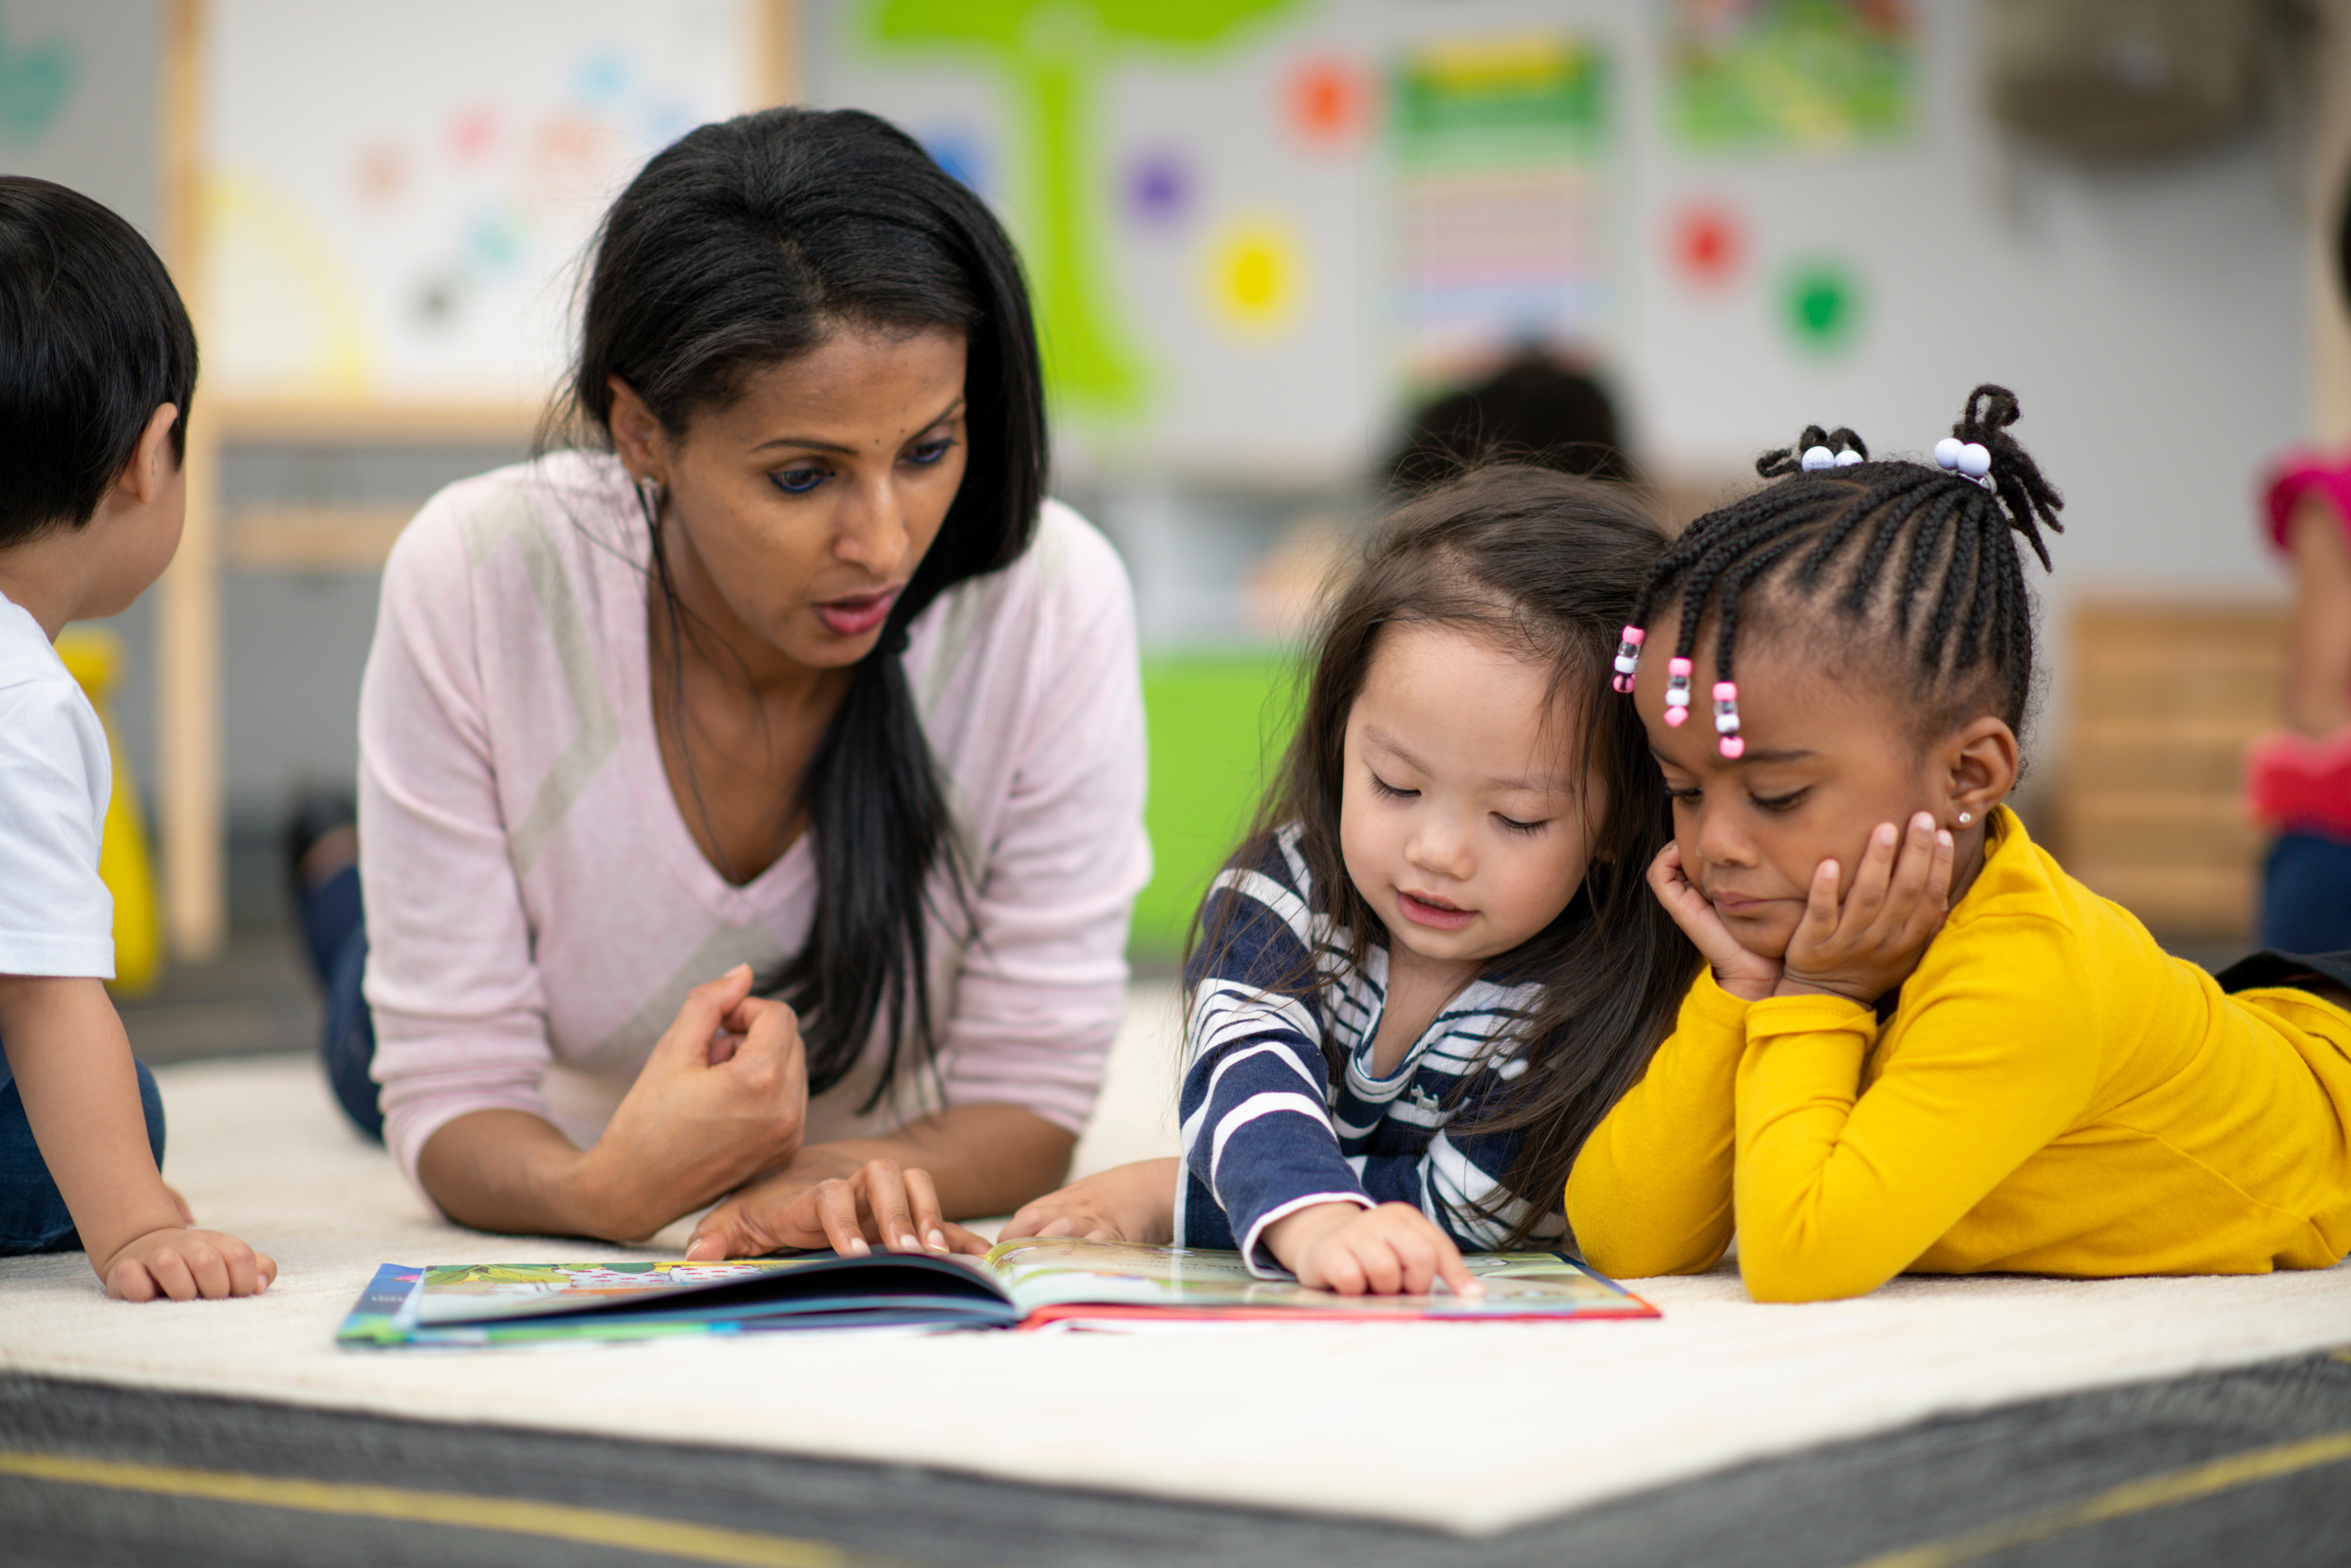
[{"x": 1548, "y": 566}]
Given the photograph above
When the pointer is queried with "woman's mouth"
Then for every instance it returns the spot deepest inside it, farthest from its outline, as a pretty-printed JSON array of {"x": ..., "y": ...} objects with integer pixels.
[
  {"x": 856, "y": 614},
  {"x": 1435, "y": 914}
]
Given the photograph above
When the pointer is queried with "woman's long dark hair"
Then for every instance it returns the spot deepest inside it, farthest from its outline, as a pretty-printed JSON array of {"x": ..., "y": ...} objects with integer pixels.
[
  {"x": 745, "y": 245},
  {"x": 1548, "y": 566}
]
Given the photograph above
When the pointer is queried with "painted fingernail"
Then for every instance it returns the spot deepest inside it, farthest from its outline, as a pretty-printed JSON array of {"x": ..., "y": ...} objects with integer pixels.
[
  {"x": 857, "y": 1247},
  {"x": 939, "y": 1240}
]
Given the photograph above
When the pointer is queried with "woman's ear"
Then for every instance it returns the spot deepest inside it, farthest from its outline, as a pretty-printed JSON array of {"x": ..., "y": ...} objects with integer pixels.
[
  {"x": 637, "y": 433},
  {"x": 1981, "y": 757}
]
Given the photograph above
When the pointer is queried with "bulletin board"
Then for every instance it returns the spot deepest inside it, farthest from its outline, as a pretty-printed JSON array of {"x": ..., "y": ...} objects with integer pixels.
[{"x": 391, "y": 205}]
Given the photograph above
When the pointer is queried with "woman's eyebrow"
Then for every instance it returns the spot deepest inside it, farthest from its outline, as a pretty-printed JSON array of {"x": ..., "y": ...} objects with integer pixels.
[{"x": 814, "y": 444}]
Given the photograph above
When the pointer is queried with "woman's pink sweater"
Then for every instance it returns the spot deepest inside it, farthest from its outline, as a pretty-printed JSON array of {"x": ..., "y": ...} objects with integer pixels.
[{"x": 536, "y": 907}]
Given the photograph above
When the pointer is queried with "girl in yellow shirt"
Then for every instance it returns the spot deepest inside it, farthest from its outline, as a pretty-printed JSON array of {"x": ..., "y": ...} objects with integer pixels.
[{"x": 1920, "y": 1045}]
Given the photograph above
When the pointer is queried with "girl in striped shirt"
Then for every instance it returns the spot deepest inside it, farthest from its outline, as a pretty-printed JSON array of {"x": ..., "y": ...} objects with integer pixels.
[{"x": 1433, "y": 964}]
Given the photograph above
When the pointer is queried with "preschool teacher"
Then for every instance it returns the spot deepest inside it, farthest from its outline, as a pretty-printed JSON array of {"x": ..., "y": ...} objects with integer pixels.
[{"x": 788, "y": 686}]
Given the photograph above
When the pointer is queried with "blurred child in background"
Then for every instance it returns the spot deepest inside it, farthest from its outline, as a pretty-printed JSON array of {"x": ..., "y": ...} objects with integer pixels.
[
  {"x": 1433, "y": 966},
  {"x": 2299, "y": 780},
  {"x": 96, "y": 365}
]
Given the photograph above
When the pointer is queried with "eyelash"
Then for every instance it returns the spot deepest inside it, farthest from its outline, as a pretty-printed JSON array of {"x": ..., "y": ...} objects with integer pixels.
[
  {"x": 802, "y": 481},
  {"x": 1775, "y": 803},
  {"x": 1381, "y": 787}
]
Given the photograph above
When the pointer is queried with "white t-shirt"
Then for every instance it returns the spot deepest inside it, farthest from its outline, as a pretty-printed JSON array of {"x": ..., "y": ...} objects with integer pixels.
[{"x": 56, "y": 917}]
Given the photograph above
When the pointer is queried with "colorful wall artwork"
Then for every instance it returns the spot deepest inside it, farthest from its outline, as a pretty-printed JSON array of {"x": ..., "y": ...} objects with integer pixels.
[
  {"x": 1496, "y": 144},
  {"x": 37, "y": 78},
  {"x": 1052, "y": 55},
  {"x": 419, "y": 242},
  {"x": 1781, "y": 74}
]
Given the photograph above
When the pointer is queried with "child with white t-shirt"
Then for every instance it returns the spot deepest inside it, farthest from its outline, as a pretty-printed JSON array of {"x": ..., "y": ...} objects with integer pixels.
[{"x": 97, "y": 365}]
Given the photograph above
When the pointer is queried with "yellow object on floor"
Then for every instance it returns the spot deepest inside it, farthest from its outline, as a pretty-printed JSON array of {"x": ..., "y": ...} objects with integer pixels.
[{"x": 94, "y": 655}]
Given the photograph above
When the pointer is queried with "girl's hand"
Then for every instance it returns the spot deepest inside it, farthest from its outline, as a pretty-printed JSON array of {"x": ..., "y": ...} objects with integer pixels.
[
  {"x": 1130, "y": 1202},
  {"x": 1391, "y": 1250},
  {"x": 879, "y": 1204},
  {"x": 184, "y": 1264},
  {"x": 1741, "y": 971},
  {"x": 1868, "y": 944}
]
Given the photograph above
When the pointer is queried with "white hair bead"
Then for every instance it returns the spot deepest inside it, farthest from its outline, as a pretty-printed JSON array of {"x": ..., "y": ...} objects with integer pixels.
[
  {"x": 1975, "y": 460},
  {"x": 1947, "y": 453},
  {"x": 1818, "y": 457},
  {"x": 1847, "y": 458}
]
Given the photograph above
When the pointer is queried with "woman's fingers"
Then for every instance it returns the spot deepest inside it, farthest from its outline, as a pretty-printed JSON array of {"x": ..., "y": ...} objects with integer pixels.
[
  {"x": 923, "y": 1209},
  {"x": 837, "y": 1216},
  {"x": 886, "y": 1199},
  {"x": 703, "y": 1012},
  {"x": 974, "y": 1244}
]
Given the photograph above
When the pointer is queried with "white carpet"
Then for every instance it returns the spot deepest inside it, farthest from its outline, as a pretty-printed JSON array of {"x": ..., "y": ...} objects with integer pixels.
[{"x": 1549, "y": 1417}]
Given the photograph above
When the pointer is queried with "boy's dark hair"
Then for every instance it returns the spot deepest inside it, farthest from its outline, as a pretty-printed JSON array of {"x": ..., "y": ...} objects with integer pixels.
[
  {"x": 743, "y": 245},
  {"x": 93, "y": 339},
  {"x": 1917, "y": 565},
  {"x": 1547, "y": 565}
]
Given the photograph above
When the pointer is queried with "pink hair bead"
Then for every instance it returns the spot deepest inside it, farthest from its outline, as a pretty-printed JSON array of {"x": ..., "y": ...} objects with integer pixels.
[
  {"x": 1677, "y": 691},
  {"x": 1727, "y": 718},
  {"x": 1629, "y": 656}
]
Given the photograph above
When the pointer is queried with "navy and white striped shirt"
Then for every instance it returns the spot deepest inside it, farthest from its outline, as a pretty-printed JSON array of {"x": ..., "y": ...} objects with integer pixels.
[{"x": 1267, "y": 1131}]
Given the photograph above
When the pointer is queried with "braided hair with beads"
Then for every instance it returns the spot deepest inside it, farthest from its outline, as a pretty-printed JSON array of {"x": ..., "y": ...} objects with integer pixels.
[{"x": 1921, "y": 561}]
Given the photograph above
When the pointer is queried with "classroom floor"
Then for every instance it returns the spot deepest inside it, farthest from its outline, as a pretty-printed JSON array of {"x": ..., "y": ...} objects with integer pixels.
[{"x": 2252, "y": 1463}]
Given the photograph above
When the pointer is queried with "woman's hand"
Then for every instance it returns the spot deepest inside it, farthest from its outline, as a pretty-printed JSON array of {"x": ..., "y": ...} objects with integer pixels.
[
  {"x": 184, "y": 1265},
  {"x": 1867, "y": 944},
  {"x": 1391, "y": 1250},
  {"x": 1129, "y": 1202},
  {"x": 877, "y": 1204},
  {"x": 722, "y": 1097},
  {"x": 1741, "y": 971}
]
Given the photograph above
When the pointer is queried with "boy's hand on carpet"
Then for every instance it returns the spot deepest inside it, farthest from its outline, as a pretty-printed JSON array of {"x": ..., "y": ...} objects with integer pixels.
[
  {"x": 1129, "y": 1202},
  {"x": 880, "y": 1204},
  {"x": 186, "y": 1264},
  {"x": 1740, "y": 970},
  {"x": 1391, "y": 1250}
]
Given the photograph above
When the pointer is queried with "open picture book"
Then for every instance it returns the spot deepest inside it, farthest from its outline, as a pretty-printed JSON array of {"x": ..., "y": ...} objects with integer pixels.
[{"x": 1028, "y": 1284}]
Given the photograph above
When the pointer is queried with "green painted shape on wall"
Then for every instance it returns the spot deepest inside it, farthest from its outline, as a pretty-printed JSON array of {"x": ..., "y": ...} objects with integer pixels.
[
  {"x": 1218, "y": 724},
  {"x": 1054, "y": 53},
  {"x": 36, "y": 79}
]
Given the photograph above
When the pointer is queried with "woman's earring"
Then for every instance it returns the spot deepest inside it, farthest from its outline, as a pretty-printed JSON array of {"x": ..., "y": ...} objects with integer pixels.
[
  {"x": 1966, "y": 817},
  {"x": 649, "y": 497}
]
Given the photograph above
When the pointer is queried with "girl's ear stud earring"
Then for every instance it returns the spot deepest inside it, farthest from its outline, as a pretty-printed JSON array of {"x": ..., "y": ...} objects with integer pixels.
[
  {"x": 1677, "y": 691},
  {"x": 1966, "y": 817},
  {"x": 1629, "y": 656}
]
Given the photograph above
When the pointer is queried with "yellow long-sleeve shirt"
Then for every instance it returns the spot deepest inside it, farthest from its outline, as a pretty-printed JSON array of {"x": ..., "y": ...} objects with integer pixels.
[{"x": 2052, "y": 1093}]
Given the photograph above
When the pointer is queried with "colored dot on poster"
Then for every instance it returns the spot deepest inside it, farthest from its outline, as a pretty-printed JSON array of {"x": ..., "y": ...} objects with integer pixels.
[
  {"x": 1253, "y": 277},
  {"x": 1158, "y": 188},
  {"x": 1330, "y": 101},
  {"x": 1708, "y": 244},
  {"x": 470, "y": 133},
  {"x": 1823, "y": 305}
]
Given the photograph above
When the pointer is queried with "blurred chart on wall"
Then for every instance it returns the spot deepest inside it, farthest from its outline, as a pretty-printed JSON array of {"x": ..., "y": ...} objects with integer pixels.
[
  {"x": 1496, "y": 143},
  {"x": 39, "y": 72},
  {"x": 417, "y": 244},
  {"x": 1774, "y": 74}
]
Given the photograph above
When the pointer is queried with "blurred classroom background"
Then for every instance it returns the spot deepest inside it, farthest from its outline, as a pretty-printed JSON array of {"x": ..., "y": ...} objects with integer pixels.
[{"x": 1263, "y": 233}]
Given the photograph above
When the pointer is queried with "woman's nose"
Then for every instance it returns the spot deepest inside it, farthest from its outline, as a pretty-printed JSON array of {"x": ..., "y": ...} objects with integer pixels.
[{"x": 872, "y": 530}]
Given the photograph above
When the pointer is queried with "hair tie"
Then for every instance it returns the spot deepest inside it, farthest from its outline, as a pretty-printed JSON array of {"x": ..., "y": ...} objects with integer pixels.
[{"x": 1971, "y": 458}]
